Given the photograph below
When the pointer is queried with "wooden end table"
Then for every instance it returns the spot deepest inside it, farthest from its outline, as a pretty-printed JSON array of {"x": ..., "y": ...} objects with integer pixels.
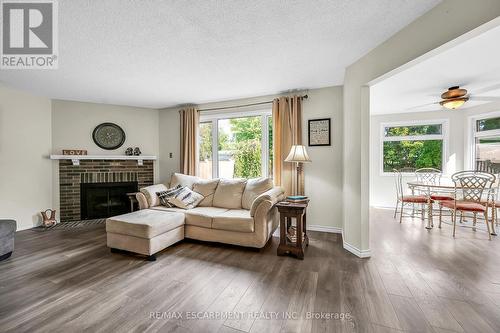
[
  {"x": 133, "y": 200},
  {"x": 288, "y": 245}
]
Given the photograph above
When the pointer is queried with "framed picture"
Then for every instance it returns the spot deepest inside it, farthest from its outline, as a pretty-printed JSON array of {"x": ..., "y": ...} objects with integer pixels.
[{"x": 319, "y": 132}]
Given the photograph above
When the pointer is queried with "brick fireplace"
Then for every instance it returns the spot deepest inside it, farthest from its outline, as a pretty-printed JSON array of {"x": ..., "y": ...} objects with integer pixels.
[{"x": 97, "y": 171}]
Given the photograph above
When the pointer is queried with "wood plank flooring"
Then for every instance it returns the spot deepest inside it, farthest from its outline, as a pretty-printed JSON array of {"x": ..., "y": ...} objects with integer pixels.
[{"x": 416, "y": 281}]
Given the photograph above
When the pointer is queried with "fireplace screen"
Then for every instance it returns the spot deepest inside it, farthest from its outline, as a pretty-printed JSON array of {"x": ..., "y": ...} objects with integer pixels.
[{"x": 102, "y": 200}]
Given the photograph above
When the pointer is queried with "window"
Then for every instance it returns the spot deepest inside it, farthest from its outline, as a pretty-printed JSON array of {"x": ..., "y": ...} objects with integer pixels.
[
  {"x": 237, "y": 145},
  {"x": 486, "y": 142},
  {"x": 205, "y": 150},
  {"x": 412, "y": 146}
]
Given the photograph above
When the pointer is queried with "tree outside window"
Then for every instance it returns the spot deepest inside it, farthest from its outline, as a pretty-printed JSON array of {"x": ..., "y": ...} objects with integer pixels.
[
  {"x": 413, "y": 147},
  {"x": 240, "y": 143}
]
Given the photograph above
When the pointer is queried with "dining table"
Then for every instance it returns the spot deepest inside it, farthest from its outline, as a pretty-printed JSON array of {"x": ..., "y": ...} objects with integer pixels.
[{"x": 445, "y": 186}]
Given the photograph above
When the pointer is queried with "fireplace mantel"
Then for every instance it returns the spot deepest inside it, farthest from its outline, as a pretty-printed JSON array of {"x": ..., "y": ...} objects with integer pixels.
[{"x": 75, "y": 159}]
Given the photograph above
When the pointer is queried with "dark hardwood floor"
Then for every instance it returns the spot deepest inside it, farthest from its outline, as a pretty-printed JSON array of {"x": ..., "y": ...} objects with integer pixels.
[{"x": 416, "y": 281}]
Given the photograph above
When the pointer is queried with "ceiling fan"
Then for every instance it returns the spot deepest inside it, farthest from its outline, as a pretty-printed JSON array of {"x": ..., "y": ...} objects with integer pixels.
[{"x": 455, "y": 97}]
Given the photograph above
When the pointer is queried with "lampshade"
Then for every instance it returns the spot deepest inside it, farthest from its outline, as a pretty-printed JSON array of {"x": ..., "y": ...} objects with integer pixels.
[
  {"x": 454, "y": 103},
  {"x": 298, "y": 154}
]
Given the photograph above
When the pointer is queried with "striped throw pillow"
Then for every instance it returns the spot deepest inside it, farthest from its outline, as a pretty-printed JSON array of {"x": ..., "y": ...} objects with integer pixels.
[
  {"x": 186, "y": 198},
  {"x": 165, "y": 195}
]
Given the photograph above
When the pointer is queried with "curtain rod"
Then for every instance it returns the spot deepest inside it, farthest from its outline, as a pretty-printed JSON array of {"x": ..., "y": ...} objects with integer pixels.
[{"x": 243, "y": 105}]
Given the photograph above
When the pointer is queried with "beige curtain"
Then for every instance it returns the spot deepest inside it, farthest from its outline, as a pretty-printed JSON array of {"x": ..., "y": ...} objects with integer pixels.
[
  {"x": 287, "y": 131},
  {"x": 189, "y": 136}
]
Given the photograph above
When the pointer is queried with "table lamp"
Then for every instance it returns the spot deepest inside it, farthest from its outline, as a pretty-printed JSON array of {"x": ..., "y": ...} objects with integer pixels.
[{"x": 298, "y": 154}]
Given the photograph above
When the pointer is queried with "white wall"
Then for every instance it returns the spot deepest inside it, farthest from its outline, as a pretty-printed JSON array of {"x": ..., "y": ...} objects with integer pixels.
[
  {"x": 73, "y": 123},
  {"x": 382, "y": 188},
  {"x": 421, "y": 36},
  {"x": 25, "y": 143},
  {"x": 169, "y": 125},
  {"x": 323, "y": 177}
]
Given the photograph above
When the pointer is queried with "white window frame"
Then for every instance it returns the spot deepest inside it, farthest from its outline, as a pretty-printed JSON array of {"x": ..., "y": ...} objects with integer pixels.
[
  {"x": 443, "y": 136},
  {"x": 214, "y": 117},
  {"x": 473, "y": 134}
]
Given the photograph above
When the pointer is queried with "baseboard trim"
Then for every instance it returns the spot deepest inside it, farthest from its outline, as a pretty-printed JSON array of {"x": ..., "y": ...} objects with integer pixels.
[
  {"x": 21, "y": 228},
  {"x": 384, "y": 207},
  {"x": 357, "y": 252},
  {"x": 336, "y": 230},
  {"x": 322, "y": 228}
]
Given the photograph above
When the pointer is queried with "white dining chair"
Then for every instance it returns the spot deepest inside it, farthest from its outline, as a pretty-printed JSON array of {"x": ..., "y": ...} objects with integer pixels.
[
  {"x": 471, "y": 189},
  {"x": 402, "y": 199}
]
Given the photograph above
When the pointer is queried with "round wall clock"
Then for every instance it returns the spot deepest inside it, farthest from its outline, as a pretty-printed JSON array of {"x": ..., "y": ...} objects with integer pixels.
[{"x": 108, "y": 136}]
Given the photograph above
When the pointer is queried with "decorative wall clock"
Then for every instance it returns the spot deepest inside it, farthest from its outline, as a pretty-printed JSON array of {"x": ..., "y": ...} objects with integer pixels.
[{"x": 108, "y": 136}]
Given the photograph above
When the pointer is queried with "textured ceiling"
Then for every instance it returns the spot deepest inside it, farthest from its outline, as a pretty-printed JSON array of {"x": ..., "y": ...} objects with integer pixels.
[
  {"x": 162, "y": 53},
  {"x": 472, "y": 64}
]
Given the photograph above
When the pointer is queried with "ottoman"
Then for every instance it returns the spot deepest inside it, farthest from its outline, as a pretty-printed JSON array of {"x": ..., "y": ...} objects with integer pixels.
[
  {"x": 7, "y": 231},
  {"x": 145, "y": 231}
]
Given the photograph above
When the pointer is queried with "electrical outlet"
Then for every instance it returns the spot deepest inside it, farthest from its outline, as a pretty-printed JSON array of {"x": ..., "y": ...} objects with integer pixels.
[{"x": 171, "y": 155}]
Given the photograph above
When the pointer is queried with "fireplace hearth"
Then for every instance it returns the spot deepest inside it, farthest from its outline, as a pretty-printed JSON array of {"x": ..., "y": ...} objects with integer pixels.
[{"x": 102, "y": 200}]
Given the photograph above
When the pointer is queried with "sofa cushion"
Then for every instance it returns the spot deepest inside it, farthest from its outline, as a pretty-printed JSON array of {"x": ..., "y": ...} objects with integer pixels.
[
  {"x": 183, "y": 180},
  {"x": 150, "y": 194},
  {"x": 253, "y": 189},
  {"x": 234, "y": 220},
  {"x": 186, "y": 198},
  {"x": 229, "y": 193},
  {"x": 202, "y": 216},
  {"x": 207, "y": 189},
  {"x": 146, "y": 223},
  {"x": 467, "y": 206}
]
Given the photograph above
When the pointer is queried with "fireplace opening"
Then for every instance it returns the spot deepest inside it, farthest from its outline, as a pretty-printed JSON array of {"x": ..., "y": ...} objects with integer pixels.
[{"x": 102, "y": 200}]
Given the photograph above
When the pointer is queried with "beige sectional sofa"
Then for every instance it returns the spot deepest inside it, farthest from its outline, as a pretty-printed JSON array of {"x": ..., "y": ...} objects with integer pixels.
[{"x": 233, "y": 211}]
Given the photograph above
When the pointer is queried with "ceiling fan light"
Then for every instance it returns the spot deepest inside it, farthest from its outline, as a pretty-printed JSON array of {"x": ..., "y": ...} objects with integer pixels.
[{"x": 454, "y": 103}]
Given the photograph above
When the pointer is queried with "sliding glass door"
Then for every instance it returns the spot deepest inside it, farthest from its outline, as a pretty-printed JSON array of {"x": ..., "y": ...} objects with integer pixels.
[{"x": 235, "y": 145}]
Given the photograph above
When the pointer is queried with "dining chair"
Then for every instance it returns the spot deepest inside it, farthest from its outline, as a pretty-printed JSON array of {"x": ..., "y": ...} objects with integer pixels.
[
  {"x": 428, "y": 175},
  {"x": 432, "y": 176},
  {"x": 406, "y": 199},
  {"x": 494, "y": 205},
  {"x": 471, "y": 188}
]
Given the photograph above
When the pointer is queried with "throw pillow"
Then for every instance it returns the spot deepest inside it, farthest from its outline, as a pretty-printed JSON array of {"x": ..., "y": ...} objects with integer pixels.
[
  {"x": 207, "y": 189},
  {"x": 228, "y": 193},
  {"x": 186, "y": 198},
  {"x": 169, "y": 193},
  {"x": 253, "y": 189}
]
